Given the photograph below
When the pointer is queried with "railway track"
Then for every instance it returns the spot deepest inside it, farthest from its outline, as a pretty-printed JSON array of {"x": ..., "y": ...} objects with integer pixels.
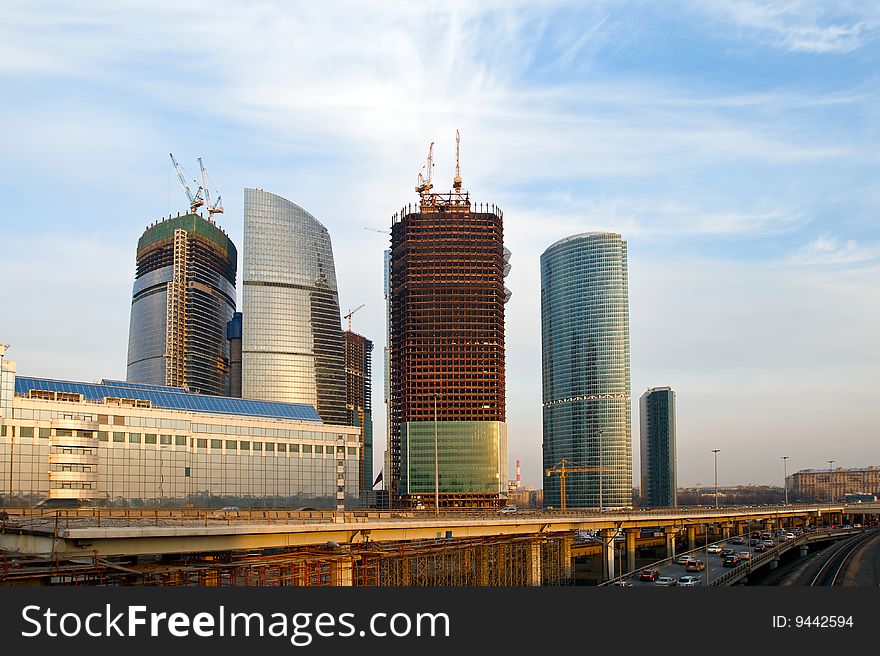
[{"x": 830, "y": 572}]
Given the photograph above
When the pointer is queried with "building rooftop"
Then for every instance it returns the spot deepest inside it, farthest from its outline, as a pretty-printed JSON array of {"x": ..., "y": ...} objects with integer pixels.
[{"x": 169, "y": 398}]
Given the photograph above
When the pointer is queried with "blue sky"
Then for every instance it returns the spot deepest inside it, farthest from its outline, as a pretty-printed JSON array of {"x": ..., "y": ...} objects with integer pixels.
[{"x": 733, "y": 144}]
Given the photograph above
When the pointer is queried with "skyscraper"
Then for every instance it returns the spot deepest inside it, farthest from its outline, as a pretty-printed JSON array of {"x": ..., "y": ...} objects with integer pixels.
[
  {"x": 359, "y": 401},
  {"x": 183, "y": 296},
  {"x": 447, "y": 298},
  {"x": 292, "y": 345},
  {"x": 585, "y": 367},
  {"x": 657, "y": 432}
]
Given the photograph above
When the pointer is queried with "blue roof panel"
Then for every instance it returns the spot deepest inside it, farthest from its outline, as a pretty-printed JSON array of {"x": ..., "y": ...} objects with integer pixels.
[{"x": 171, "y": 398}]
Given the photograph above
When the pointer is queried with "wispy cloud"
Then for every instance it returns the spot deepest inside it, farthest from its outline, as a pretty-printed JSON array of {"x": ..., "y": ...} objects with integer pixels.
[
  {"x": 811, "y": 26},
  {"x": 830, "y": 250}
]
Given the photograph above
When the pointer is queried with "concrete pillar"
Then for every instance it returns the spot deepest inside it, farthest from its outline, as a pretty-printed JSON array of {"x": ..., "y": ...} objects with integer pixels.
[
  {"x": 802, "y": 550},
  {"x": 669, "y": 532},
  {"x": 692, "y": 537},
  {"x": 340, "y": 573},
  {"x": 533, "y": 563},
  {"x": 607, "y": 537},
  {"x": 739, "y": 528},
  {"x": 565, "y": 557},
  {"x": 631, "y": 534},
  {"x": 725, "y": 531}
]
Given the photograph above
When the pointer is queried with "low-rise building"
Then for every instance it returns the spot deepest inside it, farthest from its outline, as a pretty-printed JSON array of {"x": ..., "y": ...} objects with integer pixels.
[
  {"x": 119, "y": 443},
  {"x": 833, "y": 485}
]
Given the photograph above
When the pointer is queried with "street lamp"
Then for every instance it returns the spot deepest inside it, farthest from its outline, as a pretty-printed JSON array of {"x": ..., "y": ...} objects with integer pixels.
[
  {"x": 785, "y": 477},
  {"x": 601, "y": 505},
  {"x": 436, "y": 460},
  {"x": 831, "y": 480},
  {"x": 3, "y": 348},
  {"x": 715, "y": 452}
]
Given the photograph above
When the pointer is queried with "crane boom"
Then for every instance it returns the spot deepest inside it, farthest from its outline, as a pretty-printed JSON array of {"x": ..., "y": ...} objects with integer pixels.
[
  {"x": 195, "y": 201},
  {"x": 217, "y": 207},
  {"x": 351, "y": 312}
]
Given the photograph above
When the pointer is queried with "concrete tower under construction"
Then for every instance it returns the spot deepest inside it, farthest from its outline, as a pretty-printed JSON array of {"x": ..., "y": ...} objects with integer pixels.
[
  {"x": 183, "y": 296},
  {"x": 446, "y": 297}
]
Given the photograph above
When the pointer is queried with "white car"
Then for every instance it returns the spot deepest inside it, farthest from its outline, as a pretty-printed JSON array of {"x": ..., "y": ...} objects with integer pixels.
[
  {"x": 506, "y": 510},
  {"x": 684, "y": 560},
  {"x": 666, "y": 581},
  {"x": 688, "y": 581},
  {"x": 713, "y": 549}
]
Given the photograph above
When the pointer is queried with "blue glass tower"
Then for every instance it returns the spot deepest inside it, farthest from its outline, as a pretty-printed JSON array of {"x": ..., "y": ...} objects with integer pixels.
[{"x": 586, "y": 370}]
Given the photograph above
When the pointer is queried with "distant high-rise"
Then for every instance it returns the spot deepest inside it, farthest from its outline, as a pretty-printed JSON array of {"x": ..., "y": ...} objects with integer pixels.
[
  {"x": 184, "y": 294},
  {"x": 292, "y": 345},
  {"x": 585, "y": 366},
  {"x": 359, "y": 402},
  {"x": 447, "y": 297},
  {"x": 657, "y": 431}
]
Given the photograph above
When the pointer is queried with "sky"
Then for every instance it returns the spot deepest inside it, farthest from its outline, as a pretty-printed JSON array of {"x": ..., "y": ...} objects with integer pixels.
[{"x": 734, "y": 144}]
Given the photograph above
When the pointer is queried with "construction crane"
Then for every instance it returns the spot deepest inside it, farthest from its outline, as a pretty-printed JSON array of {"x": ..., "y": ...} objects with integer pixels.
[
  {"x": 380, "y": 230},
  {"x": 563, "y": 470},
  {"x": 217, "y": 207},
  {"x": 424, "y": 186},
  {"x": 195, "y": 202},
  {"x": 351, "y": 312},
  {"x": 456, "y": 182}
]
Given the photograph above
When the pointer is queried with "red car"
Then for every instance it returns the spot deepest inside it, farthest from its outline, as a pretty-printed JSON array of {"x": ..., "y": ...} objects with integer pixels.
[
  {"x": 760, "y": 547},
  {"x": 649, "y": 575}
]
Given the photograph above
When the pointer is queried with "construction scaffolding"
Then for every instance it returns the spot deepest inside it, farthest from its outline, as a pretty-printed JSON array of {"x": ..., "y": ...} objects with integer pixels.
[
  {"x": 498, "y": 562},
  {"x": 175, "y": 314}
]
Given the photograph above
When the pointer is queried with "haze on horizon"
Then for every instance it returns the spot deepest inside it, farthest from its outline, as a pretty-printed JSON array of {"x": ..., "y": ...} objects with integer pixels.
[{"x": 733, "y": 144}]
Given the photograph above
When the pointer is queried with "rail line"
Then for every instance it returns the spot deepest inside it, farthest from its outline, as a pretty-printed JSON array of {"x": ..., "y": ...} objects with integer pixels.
[{"x": 840, "y": 558}]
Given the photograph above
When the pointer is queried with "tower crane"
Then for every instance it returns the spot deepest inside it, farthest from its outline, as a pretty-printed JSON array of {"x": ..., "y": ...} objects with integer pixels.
[
  {"x": 217, "y": 207},
  {"x": 195, "y": 201},
  {"x": 456, "y": 182},
  {"x": 424, "y": 186},
  {"x": 379, "y": 230},
  {"x": 351, "y": 312},
  {"x": 564, "y": 470}
]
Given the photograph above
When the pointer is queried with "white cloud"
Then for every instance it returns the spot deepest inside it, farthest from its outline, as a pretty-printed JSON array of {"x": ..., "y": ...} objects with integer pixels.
[{"x": 831, "y": 250}]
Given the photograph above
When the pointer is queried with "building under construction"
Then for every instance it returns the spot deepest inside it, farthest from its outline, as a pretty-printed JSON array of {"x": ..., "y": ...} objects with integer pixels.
[
  {"x": 447, "y": 296},
  {"x": 183, "y": 296},
  {"x": 359, "y": 401}
]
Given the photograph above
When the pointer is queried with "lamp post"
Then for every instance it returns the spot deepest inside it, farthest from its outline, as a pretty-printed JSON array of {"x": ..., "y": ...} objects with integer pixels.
[
  {"x": 3, "y": 348},
  {"x": 785, "y": 477},
  {"x": 436, "y": 460},
  {"x": 715, "y": 453},
  {"x": 831, "y": 480}
]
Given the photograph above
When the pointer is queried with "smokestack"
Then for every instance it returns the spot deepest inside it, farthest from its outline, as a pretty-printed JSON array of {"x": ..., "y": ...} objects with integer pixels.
[{"x": 518, "y": 477}]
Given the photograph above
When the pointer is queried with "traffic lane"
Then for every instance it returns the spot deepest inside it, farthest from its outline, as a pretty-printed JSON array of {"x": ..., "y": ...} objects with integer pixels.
[{"x": 714, "y": 564}]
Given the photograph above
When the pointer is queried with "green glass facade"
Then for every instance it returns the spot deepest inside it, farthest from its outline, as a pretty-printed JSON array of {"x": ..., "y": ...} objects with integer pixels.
[
  {"x": 657, "y": 440},
  {"x": 586, "y": 370},
  {"x": 473, "y": 455}
]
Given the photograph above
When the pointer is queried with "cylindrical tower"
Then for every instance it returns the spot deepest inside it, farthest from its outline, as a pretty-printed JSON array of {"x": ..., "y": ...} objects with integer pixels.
[
  {"x": 184, "y": 294},
  {"x": 586, "y": 370},
  {"x": 292, "y": 345}
]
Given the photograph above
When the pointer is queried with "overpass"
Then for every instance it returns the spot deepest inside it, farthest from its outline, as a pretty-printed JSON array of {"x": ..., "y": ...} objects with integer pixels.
[{"x": 537, "y": 546}]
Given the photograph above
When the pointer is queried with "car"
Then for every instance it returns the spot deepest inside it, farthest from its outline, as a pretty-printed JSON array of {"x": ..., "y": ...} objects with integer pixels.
[
  {"x": 760, "y": 547},
  {"x": 730, "y": 561},
  {"x": 753, "y": 542},
  {"x": 506, "y": 510},
  {"x": 846, "y": 527},
  {"x": 666, "y": 580},
  {"x": 713, "y": 549},
  {"x": 229, "y": 509},
  {"x": 688, "y": 581},
  {"x": 684, "y": 560},
  {"x": 857, "y": 526},
  {"x": 726, "y": 552},
  {"x": 55, "y": 504},
  {"x": 695, "y": 566},
  {"x": 622, "y": 584},
  {"x": 790, "y": 536},
  {"x": 743, "y": 555},
  {"x": 738, "y": 539},
  {"x": 649, "y": 575},
  {"x": 769, "y": 543}
]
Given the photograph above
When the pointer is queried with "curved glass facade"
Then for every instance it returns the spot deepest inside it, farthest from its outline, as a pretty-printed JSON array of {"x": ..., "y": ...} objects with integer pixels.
[
  {"x": 292, "y": 345},
  {"x": 586, "y": 370},
  {"x": 183, "y": 296}
]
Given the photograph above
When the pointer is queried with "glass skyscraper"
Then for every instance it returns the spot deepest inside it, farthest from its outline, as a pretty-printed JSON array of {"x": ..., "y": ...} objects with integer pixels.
[
  {"x": 586, "y": 370},
  {"x": 657, "y": 432},
  {"x": 183, "y": 296},
  {"x": 292, "y": 345}
]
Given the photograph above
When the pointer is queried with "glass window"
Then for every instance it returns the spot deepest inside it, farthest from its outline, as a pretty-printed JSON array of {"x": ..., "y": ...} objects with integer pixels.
[
  {"x": 26, "y": 431},
  {"x": 118, "y": 437},
  {"x": 134, "y": 438},
  {"x": 102, "y": 436},
  {"x": 165, "y": 439},
  {"x": 319, "y": 448},
  {"x": 231, "y": 445},
  {"x": 352, "y": 451},
  {"x": 258, "y": 446},
  {"x": 150, "y": 438},
  {"x": 270, "y": 446},
  {"x": 306, "y": 448},
  {"x": 202, "y": 443},
  {"x": 215, "y": 444},
  {"x": 180, "y": 440},
  {"x": 44, "y": 433},
  {"x": 282, "y": 447}
]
